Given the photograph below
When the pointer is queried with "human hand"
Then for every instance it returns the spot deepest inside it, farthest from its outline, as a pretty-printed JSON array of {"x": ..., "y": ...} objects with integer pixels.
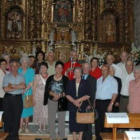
[
  {"x": 116, "y": 104},
  {"x": 88, "y": 107},
  {"x": 77, "y": 103},
  {"x": 109, "y": 109},
  {"x": 56, "y": 97}
]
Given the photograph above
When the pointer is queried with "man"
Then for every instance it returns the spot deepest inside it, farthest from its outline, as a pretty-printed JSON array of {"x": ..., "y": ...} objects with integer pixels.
[
  {"x": 51, "y": 62},
  {"x": 13, "y": 85},
  {"x": 127, "y": 77},
  {"x": 106, "y": 93},
  {"x": 87, "y": 135},
  {"x": 124, "y": 57},
  {"x": 69, "y": 66},
  {"x": 110, "y": 60},
  {"x": 3, "y": 71}
]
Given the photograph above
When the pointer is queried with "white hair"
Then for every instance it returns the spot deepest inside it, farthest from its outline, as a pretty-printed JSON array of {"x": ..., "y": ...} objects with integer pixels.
[
  {"x": 112, "y": 67},
  {"x": 25, "y": 58},
  {"x": 137, "y": 68},
  {"x": 50, "y": 52}
]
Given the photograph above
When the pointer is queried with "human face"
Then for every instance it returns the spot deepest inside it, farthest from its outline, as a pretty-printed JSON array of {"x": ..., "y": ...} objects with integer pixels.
[
  {"x": 40, "y": 57},
  {"x": 109, "y": 60},
  {"x": 74, "y": 56},
  {"x": 43, "y": 69},
  {"x": 86, "y": 68},
  {"x": 129, "y": 67},
  {"x": 137, "y": 74},
  {"x": 94, "y": 63},
  {"x": 105, "y": 71},
  {"x": 111, "y": 72},
  {"x": 3, "y": 65},
  {"x": 24, "y": 64},
  {"x": 50, "y": 57},
  {"x": 77, "y": 73},
  {"x": 32, "y": 60},
  {"x": 7, "y": 58},
  {"x": 124, "y": 57},
  {"x": 14, "y": 67},
  {"x": 59, "y": 69}
]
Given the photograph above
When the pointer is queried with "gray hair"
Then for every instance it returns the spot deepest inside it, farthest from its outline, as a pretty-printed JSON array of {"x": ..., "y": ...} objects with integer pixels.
[
  {"x": 78, "y": 68},
  {"x": 25, "y": 58},
  {"x": 137, "y": 68},
  {"x": 87, "y": 64},
  {"x": 51, "y": 51}
]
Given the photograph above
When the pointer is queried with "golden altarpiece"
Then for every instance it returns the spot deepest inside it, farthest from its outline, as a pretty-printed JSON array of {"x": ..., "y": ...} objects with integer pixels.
[{"x": 84, "y": 25}]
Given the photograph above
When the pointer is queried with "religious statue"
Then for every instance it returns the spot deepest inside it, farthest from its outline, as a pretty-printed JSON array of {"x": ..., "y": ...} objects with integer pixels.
[
  {"x": 14, "y": 24},
  {"x": 110, "y": 29}
]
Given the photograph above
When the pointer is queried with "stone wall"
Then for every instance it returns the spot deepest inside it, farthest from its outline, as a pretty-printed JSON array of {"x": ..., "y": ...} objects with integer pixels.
[{"x": 137, "y": 22}]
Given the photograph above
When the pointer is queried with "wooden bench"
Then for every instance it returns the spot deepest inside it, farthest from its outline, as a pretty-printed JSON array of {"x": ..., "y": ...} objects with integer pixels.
[{"x": 134, "y": 122}]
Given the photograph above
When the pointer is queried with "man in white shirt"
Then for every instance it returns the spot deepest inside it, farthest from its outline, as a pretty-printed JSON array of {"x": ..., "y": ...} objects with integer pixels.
[
  {"x": 126, "y": 78},
  {"x": 106, "y": 94},
  {"x": 3, "y": 71},
  {"x": 110, "y": 60},
  {"x": 124, "y": 58},
  {"x": 51, "y": 62}
]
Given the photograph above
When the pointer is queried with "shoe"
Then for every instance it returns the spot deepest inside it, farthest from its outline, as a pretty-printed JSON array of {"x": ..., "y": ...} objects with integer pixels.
[
  {"x": 27, "y": 130},
  {"x": 40, "y": 131},
  {"x": 20, "y": 130}
]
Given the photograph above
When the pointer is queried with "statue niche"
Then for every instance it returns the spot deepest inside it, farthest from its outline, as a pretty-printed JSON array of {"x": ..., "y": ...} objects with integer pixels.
[
  {"x": 14, "y": 23},
  {"x": 109, "y": 27}
]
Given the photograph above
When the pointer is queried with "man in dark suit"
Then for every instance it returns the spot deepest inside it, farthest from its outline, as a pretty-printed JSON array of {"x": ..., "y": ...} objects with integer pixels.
[{"x": 92, "y": 83}]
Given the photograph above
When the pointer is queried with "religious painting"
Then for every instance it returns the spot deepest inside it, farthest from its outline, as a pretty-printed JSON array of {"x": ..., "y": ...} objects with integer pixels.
[
  {"x": 63, "y": 11},
  {"x": 14, "y": 24}
]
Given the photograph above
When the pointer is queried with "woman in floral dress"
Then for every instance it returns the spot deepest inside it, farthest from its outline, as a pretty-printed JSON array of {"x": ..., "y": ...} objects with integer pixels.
[{"x": 40, "y": 110}]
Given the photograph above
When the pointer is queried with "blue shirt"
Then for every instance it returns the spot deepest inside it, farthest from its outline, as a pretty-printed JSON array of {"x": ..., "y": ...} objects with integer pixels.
[
  {"x": 9, "y": 78},
  {"x": 106, "y": 88}
]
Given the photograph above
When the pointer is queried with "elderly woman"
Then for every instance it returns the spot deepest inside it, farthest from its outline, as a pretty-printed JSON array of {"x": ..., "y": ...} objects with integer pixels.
[
  {"x": 77, "y": 92},
  {"x": 117, "y": 102},
  {"x": 134, "y": 92},
  {"x": 29, "y": 77},
  {"x": 95, "y": 70},
  {"x": 40, "y": 111},
  {"x": 54, "y": 89}
]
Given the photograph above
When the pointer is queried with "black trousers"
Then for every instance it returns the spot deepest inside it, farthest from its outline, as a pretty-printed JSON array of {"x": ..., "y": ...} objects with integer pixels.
[
  {"x": 87, "y": 135},
  {"x": 1, "y": 104},
  {"x": 101, "y": 107},
  {"x": 13, "y": 106}
]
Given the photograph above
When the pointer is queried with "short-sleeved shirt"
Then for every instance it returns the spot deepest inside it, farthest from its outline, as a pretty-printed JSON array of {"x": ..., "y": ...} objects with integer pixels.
[
  {"x": 9, "y": 78},
  {"x": 106, "y": 88}
]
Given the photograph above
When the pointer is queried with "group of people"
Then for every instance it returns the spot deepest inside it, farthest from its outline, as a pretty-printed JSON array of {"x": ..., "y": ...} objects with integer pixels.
[{"x": 109, "y": 88}]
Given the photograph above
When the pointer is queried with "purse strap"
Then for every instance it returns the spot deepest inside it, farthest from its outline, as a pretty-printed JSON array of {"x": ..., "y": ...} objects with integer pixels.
[{"x": 89, "y": 104}]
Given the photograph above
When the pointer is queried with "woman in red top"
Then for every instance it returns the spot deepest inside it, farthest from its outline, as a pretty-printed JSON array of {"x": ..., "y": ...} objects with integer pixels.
[{"x": 95, "y": 70}]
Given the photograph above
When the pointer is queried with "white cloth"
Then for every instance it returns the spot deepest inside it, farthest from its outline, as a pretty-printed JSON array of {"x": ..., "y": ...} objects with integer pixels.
[
  {"x": 118, "y": 71},
  {"x": 2, "y": 74},
  {"x": 121, "y": 65},
  {"x": 126, "y": 78},
  {"x": 106, "y": 88},
  {"x": 77, "y": 87},
  {"x": 51, "y": 68}
]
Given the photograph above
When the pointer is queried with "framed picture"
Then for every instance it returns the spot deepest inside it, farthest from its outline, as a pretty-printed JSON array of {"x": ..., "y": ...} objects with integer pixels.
[{"x": 63, "y": 11}]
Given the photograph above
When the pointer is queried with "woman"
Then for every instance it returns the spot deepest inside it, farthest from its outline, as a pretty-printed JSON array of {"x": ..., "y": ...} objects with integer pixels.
[
  {"x": 6, "y": 56},
  {"x": 77, "y": 92},
  {"x": 40, "y": 57},
  {"x": 54, "y": 89},
  {"x": 95, "y": 70},
  {"x": 134, "y": 92},
  {"x": 117, "y": 102},
  {"x": 40, "y": 111},
  {"x": 32, "y": 61},
  {"x": 29, "y": 77},
  {"x": 3, "y": 72}
]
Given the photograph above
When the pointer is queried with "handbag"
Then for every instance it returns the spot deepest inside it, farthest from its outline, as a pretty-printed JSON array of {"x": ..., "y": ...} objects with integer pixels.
[
  {"x": 62, "y": 104},
  {"x": 85, "y": 118},
  {"x": 28, "y": 101}
]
